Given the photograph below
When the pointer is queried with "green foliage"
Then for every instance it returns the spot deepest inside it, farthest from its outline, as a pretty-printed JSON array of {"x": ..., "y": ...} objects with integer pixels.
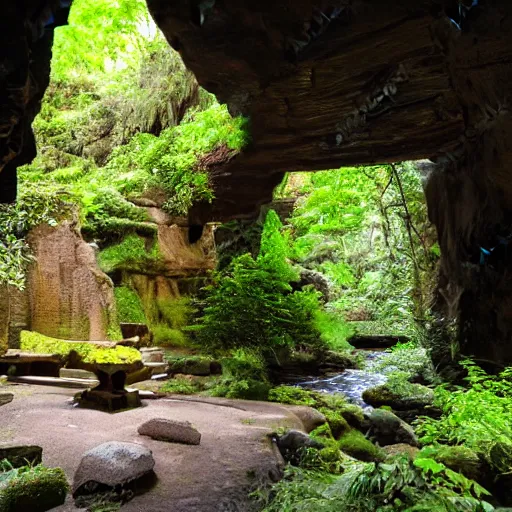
[
  {"x": 398, "y": 485},
  {"x": 89, "y": 353},
  {"x": 33, "y": 207},
  {"x": 180, "y": 386},
  {"x": 129, "y": 306},
  {"x": 130, "y": 253},
  {"x": 165, "y": 336},
  {"x": 292, "y": 395},
  {"x": 36, "y": 488},
  {"x": 252, "y": 306},
  {"x": 334, "y": 330},
  {"x": 479, "y": 416},
  {"x": 244, "y": 377}
]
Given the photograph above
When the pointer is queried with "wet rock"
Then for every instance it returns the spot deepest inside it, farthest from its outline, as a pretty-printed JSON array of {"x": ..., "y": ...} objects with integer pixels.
[
  {"x": 405, "y": 397},
  {"x": 293, "y": 444},
  {"x": 21, "y": 455},
  {"x": 112, "y": 464},
  {"x": 392, "y": 450},
  {"x": 5, "y": 398},
  {"x": 386, "y": 428},
  {"x": 171, "y": 431},
  {"x": 310, "y": 418}
]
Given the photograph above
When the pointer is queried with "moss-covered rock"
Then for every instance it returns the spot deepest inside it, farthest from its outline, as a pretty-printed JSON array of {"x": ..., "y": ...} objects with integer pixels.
[
  {"x": 399, "y": 396},
  {"x": 87, "y": 352},
  {"x": 292, "y": 395},
  {"x": 387, "y": 428},
  {"x": 337, "y": 422},
  {"x": 194, "y": 365},
  {"x": 394, "y": 450},
  {"x": 353, "y": 414},
  {"x": 354, "y": 443},
  {"x": 35, "y": 489},
  {"x": 460, "y": 459}
]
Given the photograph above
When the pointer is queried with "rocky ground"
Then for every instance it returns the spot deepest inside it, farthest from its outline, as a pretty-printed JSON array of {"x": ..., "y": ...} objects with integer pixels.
[{"x": 234, "y": 454}]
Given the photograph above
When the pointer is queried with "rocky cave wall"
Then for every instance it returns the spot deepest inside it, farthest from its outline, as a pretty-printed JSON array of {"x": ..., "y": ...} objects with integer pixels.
[{"x": 338, "y": 82}]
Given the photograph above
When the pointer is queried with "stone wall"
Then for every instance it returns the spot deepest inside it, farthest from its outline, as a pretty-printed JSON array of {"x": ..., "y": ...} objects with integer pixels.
[
  {"x": 70, "y": 297},
  {"x": 14, "y": 316}
]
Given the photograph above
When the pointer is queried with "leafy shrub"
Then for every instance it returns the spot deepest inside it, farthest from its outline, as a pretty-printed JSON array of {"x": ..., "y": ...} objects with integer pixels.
[
  {"x": 89, "y": 353},
  {"x": 166, "y": 336},
  {"x": 34, "y": 206},
  {"x": 480, "y": 416},
  {"x": 334, "y": 330},
  {"x": 252, "y": 305},
  {"x": 180, "y": 386}
]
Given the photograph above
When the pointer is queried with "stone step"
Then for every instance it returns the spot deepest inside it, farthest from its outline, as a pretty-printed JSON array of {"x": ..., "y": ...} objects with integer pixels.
[
  {"x": 157, "y": 367},
  {"x": 73, "y": 373},
  {"x": 55, "y": 381}
]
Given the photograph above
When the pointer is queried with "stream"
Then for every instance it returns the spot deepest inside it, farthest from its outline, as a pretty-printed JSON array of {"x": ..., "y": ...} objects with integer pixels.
[{"x": 352, "y": 383}]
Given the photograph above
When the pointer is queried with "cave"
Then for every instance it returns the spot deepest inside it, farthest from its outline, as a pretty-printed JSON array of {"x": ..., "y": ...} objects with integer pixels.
[{"x": 329, "y": 83}]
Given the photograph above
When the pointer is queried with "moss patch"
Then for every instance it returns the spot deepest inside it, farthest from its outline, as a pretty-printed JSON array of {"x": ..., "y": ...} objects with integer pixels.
[
  {"x": 129, "y": 306},
  {"x": 92, "y": 354},
  {"x": 130, "y": 254},
  {"x": 36, "y": 489},
  {"x": 354, "y": 443}
]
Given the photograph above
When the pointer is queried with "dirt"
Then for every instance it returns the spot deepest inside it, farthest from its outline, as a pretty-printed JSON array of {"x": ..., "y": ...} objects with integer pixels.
[{"x": 235, "y": 453}]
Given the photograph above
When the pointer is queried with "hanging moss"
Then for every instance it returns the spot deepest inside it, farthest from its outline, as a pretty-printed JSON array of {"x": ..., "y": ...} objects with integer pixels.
[{"x": 129, "y": 306}]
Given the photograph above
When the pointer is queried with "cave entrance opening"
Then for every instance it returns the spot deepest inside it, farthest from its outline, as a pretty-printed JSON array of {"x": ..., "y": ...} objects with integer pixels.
[{"x": 364, "y": 233}]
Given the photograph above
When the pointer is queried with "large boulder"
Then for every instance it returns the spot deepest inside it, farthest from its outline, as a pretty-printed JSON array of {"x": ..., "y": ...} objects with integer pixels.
[
  {"x": 355, "y": 444},
  {"x": 404, "y": 397},
  {"x": 5, "y": 398},
  {"x": 310, "y": 418},
  {"x": 21, "y": 455},
  {"x": 386, "y": 428},
  {"x": 112, "y": 464},
  {"x": 170, "y": 430}
]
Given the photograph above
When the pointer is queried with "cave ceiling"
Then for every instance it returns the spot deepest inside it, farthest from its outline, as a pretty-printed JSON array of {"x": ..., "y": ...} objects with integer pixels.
[{"x": 324, "y": 83}]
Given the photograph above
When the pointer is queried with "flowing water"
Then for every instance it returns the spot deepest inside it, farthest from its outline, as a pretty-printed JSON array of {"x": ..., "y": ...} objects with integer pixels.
[{"x": 352, "y": 383}]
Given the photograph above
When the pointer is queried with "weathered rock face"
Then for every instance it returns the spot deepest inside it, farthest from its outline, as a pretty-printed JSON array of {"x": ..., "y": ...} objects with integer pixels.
[
  {"x": 331, "y": 83},
  {"x": 14, "y": 316},
  {"x": 70, "y": 297}
]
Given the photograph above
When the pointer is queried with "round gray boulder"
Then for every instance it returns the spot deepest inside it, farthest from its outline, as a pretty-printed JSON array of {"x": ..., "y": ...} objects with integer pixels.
[
  {"x": 112, "y": 464},
  {"x": 386, "y": 428},
  {"x": 171, "y": 431}
]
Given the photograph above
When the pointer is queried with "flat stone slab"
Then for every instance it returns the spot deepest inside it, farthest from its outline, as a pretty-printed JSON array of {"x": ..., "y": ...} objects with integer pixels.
[
  {"x": 171, "y": 431},
  {"x": 21, "y": 455},
  {"x": 72, "y": 373},
  {"x": 5, "y": 398},
  {"x": 112, "y": 464}
]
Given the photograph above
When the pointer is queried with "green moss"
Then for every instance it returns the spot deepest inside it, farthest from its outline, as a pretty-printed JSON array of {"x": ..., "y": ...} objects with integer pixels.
[
  {"x": 180, "y": 386},
  {"x": 38, "y": 343},
  {"x": 336, "y": 421},
  {"x": 354, "y": 443},
  {"x": 353, "y": 414},
  {"x": 165, "y": 336},
  {"x": 36, "y": 489},
  {"x": 131, "y": 253},
  {"x": 129, "y": 306},
  {"x": 399, "y": 394},
  {"x": 292, "y": 395},
  {"x": 193, "y": 365}
]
